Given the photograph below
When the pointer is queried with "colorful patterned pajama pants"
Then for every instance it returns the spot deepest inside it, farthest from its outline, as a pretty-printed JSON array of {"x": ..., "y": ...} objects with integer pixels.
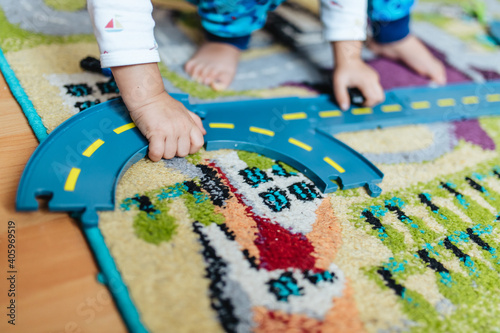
[{"x": 233, "y": 21}]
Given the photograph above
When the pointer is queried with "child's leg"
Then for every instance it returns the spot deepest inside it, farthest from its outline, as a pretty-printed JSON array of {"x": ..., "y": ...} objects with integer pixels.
[
  {"x": 228, "y": 26},
  {"x": 390, "y": 22}
]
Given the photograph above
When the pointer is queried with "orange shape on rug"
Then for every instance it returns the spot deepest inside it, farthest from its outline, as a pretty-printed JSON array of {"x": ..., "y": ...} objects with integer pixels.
[
  {"x": 326, "y": 236},
  {"x": 279, "y": 321},
  {"x": 342, "y": 317},
  {"x": 241, "y": 224}
]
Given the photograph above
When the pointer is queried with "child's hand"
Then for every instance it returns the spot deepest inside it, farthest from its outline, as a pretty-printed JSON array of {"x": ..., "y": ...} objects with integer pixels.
[
  {"x": 351, "y": 72},
  {"x": 170, "y": 128}
]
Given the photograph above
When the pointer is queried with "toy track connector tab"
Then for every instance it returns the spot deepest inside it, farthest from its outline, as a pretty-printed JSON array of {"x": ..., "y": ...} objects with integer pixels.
[
  {"x": 373, "y": 190},
  {"x": 89, "y": 218},
  {"x": 332, "y": 185}
]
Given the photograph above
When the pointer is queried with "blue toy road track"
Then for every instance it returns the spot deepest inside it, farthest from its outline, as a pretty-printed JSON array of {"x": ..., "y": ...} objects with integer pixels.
[{"x": 81, "y": 161}]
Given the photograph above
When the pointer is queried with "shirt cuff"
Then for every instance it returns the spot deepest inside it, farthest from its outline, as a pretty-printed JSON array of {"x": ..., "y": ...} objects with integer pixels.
[
  {"x": 129, "y": 57},
  {"x": 336, "y": 35}
]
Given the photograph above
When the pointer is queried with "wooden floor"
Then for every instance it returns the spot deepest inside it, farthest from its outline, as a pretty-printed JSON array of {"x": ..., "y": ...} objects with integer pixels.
[{"x": 56, "y": 287}]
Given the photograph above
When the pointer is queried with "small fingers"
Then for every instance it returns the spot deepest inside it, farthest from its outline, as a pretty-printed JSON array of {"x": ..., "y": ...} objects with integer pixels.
[
  {"x": 373, "y": 93},
  {"x": 196, "y": 140},
  {"x": 170, "y": 148},
  {"x": 198, "y": 122},
  {"x": 439, "y": 74},
  {"x": 371, "y": 89},
  {"x": 183, "y": 145},
  {"x": 341, "y": 94},
  {"x": 156, "y": 148}
]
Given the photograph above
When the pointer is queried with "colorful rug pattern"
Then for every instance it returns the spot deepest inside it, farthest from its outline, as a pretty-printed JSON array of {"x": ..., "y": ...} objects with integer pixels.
[{"x": 233, "y": 241}]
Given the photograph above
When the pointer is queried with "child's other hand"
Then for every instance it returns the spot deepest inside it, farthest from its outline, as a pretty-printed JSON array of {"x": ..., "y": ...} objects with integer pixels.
[
  {"x": 170, "y": 128},
  {"x": 352, "y": 72},
  {"x": 357, "y": 74}
]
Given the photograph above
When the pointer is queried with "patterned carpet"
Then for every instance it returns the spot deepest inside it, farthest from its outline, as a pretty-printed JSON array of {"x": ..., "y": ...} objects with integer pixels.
[{"x": 233, "y": 241}]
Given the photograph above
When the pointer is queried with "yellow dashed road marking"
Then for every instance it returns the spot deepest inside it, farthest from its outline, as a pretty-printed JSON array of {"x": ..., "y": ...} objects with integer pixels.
[
  {"x": 334, "y": 164},
  {"x": 361, "y": 111},
  {"x": 300, "y": 144},
  {"x": 261, "y": 131},
  {"x": 392, "y": 108},
  {"x": 420, "y": 105},
  {"x": 295, "y": 116},
  {"x": 71, "y": 180},
  {"x": 329, "y": 114},
  {"x": 124, "y": 128},
  {"x": 221, "y": 125},
  {"x": 493, "y": 98},
  {"x": 446, "y": 102},
  {"x": 470, "y": 100},
  {"x": 93, "y": 147}
]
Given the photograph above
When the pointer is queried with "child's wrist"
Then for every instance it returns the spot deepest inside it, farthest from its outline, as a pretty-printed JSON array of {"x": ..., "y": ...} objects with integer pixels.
[
  {"x": 345, "y": 52},
  {"x": 139, "y": 84},
  {"x": 135, "y": 104}
]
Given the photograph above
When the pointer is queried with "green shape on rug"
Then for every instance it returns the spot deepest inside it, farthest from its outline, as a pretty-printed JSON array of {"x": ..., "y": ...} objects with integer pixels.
[
  {"x": 414, "y": 304},
  {"x": 469, "y": 291},
  {"x": 195, "y": 89},
  {"x": 198, "y": 90},
  {"x": 13, "y": 38},
  {"x": 153, "y": 223},
  {"x": 254, "y": 160},
  {"x": 198, "y": 204},
  {"x": 157, "y": 227},
  {"x": 475, "y": 32},
  {"x": 473, "y": 8},
  {"x": 201, "y": 209},
  {"x": 392, "y": 238},
  {"x": 66, "y": 5},
  {"x": 455, "y": 288},
  {"x": 476, "y": 9},
  {"x": 491, "y": 125},
  {"x": 195, "y": 158}
]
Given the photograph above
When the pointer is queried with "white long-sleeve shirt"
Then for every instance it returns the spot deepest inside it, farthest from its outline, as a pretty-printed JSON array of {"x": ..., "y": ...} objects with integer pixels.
[{"x": 124, "y": 28}]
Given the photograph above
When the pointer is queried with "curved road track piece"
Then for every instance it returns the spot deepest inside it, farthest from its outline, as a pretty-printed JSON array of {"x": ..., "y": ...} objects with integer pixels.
[{"x": 80, "y": 163}]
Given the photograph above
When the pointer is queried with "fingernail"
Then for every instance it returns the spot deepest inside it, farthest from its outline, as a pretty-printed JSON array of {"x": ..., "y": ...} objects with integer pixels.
[{"x": 344, "y": 106}]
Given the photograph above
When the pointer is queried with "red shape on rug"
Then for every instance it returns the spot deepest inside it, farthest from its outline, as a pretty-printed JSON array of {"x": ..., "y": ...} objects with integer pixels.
[{"x": 279, "y": 248}]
